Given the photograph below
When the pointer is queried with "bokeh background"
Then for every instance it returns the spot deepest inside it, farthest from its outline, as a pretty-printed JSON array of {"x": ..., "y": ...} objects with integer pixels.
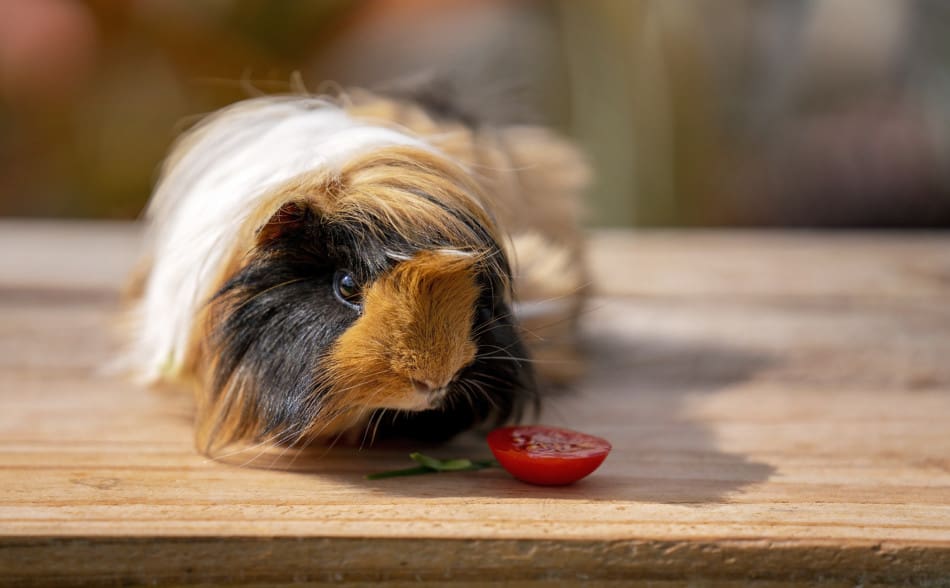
[{"x": 693, "y": 113}]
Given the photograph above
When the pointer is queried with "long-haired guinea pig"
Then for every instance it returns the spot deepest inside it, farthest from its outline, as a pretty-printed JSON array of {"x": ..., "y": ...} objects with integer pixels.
[{"x": 317, "y": 267}]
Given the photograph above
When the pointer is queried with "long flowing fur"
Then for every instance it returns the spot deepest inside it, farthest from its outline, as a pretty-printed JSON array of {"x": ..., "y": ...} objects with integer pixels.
[{"x": 448, "y": 228}]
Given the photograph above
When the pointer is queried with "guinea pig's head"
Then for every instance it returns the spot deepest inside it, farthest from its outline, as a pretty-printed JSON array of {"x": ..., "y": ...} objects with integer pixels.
[{"x": 376, "y": 299}]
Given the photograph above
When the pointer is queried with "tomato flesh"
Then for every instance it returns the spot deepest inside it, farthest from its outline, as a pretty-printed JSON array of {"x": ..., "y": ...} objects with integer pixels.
[{"x": 546, "y": 455}]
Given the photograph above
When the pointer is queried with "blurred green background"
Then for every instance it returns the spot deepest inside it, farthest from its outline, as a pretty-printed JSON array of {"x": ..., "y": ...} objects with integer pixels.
[{"x": 693, "y": 113}]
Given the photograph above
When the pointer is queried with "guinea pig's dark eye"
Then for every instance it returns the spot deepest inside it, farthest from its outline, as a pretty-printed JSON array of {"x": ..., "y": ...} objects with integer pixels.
[{"x": 346, "y": 289}]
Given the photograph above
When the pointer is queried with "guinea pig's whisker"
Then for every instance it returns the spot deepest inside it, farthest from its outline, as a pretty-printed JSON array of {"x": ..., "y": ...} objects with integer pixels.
[
  {"x": 485, "y": 378},
  {"x": 328, "y": 417},
  {"x": 369, "y": 427},
  {"x": 307, "y": 442},
  {"x": 379, "y": 421},
  {"x": 289, "y": 439},
  {"x": 312, "y": 438},
  {"x": 556, "y": 323},
  {"x": 486, "y": 327},
  {"x": 454, "y": 400},
  {"x": 479, "y": 391},
  {"x": 478, "y": 387},
  {"x": 468, "y": 387},
  {"x": 501, "y": 350},
  {"x": 326, "y": 387},
  {"x": 493, "y": 324},
  {"x": 467, "y": 393},
  {"x": 271, "y": 442},
  {"x": 396, "y": 414},
  {"x": 260, "y": 446},
  {"x": 494, "y": 357},
  {"x": 448, "y": 401},
  {"x": 375, "y": 415},
  {"x": 489, "y": 377},
  {"x": 569, "y": 294},
  {"x": 533, "y": 360}
]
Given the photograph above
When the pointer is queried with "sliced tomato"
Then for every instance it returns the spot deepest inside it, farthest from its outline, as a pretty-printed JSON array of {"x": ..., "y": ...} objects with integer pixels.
[{"x": 546, "y": 455}]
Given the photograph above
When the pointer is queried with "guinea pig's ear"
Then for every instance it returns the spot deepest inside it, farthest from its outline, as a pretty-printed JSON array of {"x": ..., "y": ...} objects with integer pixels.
[{"x": 290, "y": 218}]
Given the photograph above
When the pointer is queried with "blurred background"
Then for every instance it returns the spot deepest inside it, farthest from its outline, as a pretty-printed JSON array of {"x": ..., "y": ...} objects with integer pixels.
[{"x": 717, "y": 113}]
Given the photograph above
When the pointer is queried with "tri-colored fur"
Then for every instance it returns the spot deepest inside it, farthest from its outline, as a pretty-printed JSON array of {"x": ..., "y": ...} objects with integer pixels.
[{"x": 426, "y": 215}]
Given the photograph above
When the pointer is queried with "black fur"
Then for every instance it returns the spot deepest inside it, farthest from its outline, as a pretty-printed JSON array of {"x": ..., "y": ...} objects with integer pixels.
[{"x": 278, "y": 317}]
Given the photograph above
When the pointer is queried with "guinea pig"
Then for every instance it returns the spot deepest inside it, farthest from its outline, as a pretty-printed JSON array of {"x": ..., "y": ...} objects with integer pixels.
[{"x": 317, "y": 267}]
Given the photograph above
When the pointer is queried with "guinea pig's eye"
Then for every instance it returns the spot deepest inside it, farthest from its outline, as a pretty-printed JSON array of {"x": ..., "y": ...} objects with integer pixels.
[{"x": 346, "y": 289}]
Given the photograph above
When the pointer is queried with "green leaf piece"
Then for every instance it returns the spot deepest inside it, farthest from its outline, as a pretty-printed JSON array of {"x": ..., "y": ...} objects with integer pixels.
[
  {"x": 431, "y": 465},
  {"x": 454, "y": 465},
  {"x": 429, "y": 462}
]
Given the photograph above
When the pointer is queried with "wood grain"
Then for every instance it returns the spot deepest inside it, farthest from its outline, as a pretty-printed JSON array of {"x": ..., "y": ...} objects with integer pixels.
[{"x": 778, "y": 403}]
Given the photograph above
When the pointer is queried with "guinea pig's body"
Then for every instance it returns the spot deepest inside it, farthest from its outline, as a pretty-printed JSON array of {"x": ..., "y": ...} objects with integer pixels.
[{"x": 319, "y": 267}]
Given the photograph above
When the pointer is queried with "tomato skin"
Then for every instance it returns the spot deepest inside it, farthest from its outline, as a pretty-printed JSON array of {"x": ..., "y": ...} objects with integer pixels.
[{"x": 547, "y": 456}]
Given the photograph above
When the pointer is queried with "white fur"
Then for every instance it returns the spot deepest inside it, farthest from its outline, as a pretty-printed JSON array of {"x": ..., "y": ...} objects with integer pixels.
[{"x": 203, "y": 199}]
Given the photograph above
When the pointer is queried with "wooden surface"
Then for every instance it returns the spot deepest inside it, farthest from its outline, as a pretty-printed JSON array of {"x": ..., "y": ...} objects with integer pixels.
[{"x": 779, "y": 405}]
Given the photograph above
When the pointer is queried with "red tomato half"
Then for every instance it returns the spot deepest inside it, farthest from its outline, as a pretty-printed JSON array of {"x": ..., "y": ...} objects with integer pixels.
[{"x": 545, "y": 455}]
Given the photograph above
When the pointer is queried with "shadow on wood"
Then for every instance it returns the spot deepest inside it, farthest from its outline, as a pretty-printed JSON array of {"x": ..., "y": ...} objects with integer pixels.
[{"x": 660, "y": 454}]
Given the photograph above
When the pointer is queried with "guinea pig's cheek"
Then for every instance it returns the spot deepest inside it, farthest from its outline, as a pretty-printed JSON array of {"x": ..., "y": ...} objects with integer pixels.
[{"x": 357, "y": 370}]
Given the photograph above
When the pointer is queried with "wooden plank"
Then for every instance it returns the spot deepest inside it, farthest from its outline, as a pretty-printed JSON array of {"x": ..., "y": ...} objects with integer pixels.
[
  {"x": 771, "y": 263},
  {"x": 761, "y": 434},
  {"x": 82, "y": 256}
]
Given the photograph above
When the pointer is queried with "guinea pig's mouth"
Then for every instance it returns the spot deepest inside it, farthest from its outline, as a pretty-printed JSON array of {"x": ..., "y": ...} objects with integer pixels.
[
  {"x": 418, "y": 396},
  {"x": 427, "y": 395},
  {"x": 415, "y": 401}
]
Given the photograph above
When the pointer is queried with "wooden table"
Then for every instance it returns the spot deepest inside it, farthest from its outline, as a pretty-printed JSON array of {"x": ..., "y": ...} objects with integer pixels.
[{"x": 779, "y": 405}]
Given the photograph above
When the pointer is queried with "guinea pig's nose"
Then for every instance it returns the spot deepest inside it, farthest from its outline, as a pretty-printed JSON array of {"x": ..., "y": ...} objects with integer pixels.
[{"x": 425, "y": 386}]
